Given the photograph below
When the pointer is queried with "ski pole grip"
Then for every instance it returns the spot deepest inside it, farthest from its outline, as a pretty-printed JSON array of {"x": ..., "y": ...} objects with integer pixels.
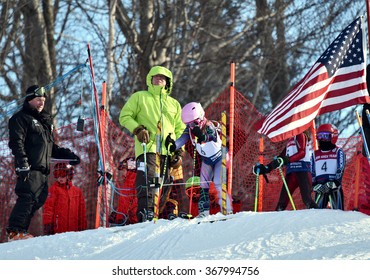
[
  {"x": 367, "y": 115},
  {"x": 279, "y": 160},
  {"x": 258, "y": 169},
  {"x": 143, "y": 144}
]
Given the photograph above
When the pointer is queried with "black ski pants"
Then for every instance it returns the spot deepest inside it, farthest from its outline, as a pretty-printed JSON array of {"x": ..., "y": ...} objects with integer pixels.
[{"x": 31, "y": 196}]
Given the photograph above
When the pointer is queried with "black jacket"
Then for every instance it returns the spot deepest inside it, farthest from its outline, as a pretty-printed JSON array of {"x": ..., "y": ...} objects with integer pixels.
[{"x": 31, "y": 139}]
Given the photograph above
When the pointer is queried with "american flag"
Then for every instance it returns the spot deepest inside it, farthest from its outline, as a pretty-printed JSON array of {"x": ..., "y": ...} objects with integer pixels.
[{"x": 337, "y": 80}]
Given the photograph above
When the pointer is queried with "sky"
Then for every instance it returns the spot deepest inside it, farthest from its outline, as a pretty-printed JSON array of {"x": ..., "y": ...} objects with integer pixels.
[{"x": 268, "y": 241}]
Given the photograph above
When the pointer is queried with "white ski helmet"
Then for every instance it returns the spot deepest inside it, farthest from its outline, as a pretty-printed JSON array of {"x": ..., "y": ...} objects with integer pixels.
[{"x": 191, "y": 112}]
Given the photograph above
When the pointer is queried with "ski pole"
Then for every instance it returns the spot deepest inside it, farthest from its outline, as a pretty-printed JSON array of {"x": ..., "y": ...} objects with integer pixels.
[
  {"x": 333, "y": 201},
  {"x": 192, "y": 183},
  {"x": 157, "y": 176},
  {"x": 146, "y": 177},
  {"x": 285, "y": 184},
  {"x": 164, "y": 177},
  {"x": 257, "y": 184}
]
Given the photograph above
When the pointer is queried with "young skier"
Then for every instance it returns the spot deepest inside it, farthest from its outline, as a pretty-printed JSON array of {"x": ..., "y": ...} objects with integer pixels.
[
  {"x": 205, "y": 136},
  {"x": 65, "y": 208},
  {"x": 328, "y": 168}
]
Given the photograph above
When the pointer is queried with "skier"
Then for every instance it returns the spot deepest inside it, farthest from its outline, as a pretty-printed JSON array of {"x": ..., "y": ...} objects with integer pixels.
[
  {"x": 297, "y": 156},
  {"x": 127, "y": 201},
  {"x": 208, "y": 145},
  {"x": 328, "y": 168},
  {"x": 64, "y": 209}
]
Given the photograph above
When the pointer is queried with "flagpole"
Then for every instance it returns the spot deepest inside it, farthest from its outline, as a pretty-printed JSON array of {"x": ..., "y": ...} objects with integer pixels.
[
  {"x": 368, "y": 20},
  {"x": 313, "y": 135}
]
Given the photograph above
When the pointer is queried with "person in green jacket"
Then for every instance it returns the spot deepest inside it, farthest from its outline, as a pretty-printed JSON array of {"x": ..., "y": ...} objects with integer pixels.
[{"x": 141, "y": 115}]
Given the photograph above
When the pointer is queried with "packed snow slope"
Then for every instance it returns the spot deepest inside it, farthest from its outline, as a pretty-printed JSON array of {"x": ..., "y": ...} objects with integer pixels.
[{"x": 288, "y": 235}]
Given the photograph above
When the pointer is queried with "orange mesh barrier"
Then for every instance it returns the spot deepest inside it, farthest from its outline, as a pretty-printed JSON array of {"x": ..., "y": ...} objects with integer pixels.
[{"x": 118, "y": 197}]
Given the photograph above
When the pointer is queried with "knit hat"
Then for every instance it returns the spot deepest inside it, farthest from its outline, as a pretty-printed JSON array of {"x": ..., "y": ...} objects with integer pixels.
[{"x": 34, "y": 91}]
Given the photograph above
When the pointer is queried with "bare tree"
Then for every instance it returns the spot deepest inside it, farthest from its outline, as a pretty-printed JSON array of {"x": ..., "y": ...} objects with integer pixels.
[
  {"x": 35, "y": 52},
  {"x": 29, "y": 50},
  {"x": 197, "y": 40},
  {"x": 272, "y": 42}
]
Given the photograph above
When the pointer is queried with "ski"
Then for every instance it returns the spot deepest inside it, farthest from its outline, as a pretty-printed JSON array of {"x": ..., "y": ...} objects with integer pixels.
[
  {"x": 212, "y": 221},
  {"x": 130, "y": 227},
  {"x": 181, "y": 218}
]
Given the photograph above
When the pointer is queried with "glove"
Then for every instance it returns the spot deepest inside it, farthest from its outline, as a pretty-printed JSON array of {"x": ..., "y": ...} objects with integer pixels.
[
  {"x": 68, "y": 154},
  {"x": 176, "y": 159},
  {"x": 169, "y": 142},
  {"x": 321, "y": 188},
  {"x": 48, "y": 229},
  {"x": 197, "y": 131},
  {"x": 332, "y": 185},
  {"x": 142, "y": 134},
  {"x": 337, "y": 184},
  {"x": 262, "y": 169},
  {"x": 75, "y": 159},
  {"x": 23, "y": 169},
  {"x": 100, "y": 179},
  {"x": 278, "y": 162}
]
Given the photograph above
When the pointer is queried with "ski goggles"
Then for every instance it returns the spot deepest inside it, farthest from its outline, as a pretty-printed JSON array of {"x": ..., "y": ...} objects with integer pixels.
[
  {"x": 194, "y": 123},
  {"x": 39, "y": 92},
  {"x": 323, "y": 136}
]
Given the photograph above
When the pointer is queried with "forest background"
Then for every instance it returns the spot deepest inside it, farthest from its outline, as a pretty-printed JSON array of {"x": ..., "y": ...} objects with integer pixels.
[{"x": 272, "y": 42}]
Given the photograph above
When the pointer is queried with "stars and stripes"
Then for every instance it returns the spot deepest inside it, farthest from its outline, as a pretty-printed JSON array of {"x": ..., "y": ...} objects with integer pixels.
[{"x": 337, "y": 80}]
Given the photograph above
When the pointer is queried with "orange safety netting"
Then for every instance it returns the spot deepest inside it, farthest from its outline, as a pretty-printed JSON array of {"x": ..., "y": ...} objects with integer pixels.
[{"x": 117, "y": 198}]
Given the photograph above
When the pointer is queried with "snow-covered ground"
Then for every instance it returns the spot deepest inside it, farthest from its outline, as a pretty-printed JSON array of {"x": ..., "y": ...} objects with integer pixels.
[{"x": 243, "y": 239}]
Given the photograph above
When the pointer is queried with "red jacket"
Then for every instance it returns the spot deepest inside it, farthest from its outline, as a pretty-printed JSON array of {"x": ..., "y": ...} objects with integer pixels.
[
  {"x": 65, "y": 208},
  {"x": 127, "y": 201}
]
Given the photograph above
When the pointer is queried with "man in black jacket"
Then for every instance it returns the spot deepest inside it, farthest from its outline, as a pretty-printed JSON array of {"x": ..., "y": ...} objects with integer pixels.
[{"x": 32, "y": 144}]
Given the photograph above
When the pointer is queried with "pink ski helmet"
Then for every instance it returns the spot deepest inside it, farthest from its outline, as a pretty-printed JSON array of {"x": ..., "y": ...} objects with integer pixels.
[{"x": 191, "y": 112}]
